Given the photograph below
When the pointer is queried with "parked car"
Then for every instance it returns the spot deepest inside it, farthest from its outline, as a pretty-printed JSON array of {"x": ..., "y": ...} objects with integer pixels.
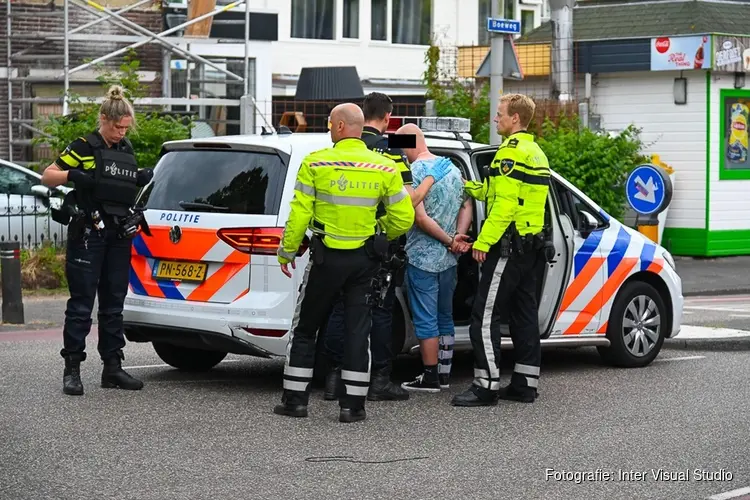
[
  {"x": 207, "y": 282},
  {"x": 25, "y": 207}
]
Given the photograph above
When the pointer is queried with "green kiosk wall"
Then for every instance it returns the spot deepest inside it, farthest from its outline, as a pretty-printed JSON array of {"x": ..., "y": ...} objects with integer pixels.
[{"x": 734, "y": 164}]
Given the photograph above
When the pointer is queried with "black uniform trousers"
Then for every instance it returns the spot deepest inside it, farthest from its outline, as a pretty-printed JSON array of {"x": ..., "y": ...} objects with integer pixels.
[
  {"x": 96, "y": 262},
  {"x": 507, "y": 289},
  {"x": 350, "y": 272}
]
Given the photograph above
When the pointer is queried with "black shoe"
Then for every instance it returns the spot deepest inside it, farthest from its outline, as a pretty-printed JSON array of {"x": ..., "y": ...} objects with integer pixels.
[
  {"x": 349, "y": 415},
  {"x": 291, "y": 410},
  {"x": 508, "y": 393},
  {"x": 113, "y": 376},
  {"x": 333, "y": 387},
  {"x": 382, "y": 389},
  {"x": 72, "y": 384},
  {"x": 470, "y": 398},
  {"x": 419, "y": 384}
]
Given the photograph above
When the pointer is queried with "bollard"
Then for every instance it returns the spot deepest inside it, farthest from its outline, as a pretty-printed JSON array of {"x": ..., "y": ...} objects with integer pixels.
[{"x": 10, "y": 253}]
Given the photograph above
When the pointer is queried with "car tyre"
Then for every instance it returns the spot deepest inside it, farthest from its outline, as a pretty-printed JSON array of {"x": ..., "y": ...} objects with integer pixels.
[
  {"x": 636, "y": 327},
  {"x": 187, "y": 359}
]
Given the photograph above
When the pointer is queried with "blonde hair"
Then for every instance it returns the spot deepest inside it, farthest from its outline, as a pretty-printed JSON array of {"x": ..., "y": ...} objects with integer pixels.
[
  {"x": 116, "y": 106},
  {"x": 521, "y": 104}
]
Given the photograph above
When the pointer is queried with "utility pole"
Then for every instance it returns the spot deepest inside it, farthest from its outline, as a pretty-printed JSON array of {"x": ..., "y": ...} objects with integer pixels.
[{"x": 496, "y": 70}]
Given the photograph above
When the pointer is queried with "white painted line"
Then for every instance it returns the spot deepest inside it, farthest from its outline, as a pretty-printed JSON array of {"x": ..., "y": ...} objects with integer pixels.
[
  {"x": 717, "y": 309},
  {"x": 165, "y": 365},
  {"x": 739, "y": 315},
  {"x": 684, "y": 358},
  {"x": 707, "y": 332},
  {"x": 724, "y": 298},
  {"x": 731, "y": 494}
]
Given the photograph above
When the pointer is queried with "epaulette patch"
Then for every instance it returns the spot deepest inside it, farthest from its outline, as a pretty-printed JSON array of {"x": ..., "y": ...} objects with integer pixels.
[{"x": 512, "y": 143}]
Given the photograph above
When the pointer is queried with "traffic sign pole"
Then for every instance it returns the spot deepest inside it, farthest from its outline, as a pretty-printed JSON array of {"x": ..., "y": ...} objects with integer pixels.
[
  {"x": 498, "y": 28},
  {"x": 648, "y": 191},
  {"x": 496, "y": 72}
]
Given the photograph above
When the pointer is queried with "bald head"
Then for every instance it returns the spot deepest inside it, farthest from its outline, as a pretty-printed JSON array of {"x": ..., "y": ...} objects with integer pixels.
[
  {"x": 421, "y": 145},
  {"x": 347, "y": 120}
]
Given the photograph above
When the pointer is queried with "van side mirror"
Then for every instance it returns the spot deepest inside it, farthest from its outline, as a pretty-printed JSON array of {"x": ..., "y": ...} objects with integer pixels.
[{"x": 587, "y": 223}]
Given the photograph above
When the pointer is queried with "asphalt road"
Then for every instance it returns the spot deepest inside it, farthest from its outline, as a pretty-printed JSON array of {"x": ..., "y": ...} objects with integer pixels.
[
  {"x": 730, "y": 311},
  {"x": 214, "y": 435}
]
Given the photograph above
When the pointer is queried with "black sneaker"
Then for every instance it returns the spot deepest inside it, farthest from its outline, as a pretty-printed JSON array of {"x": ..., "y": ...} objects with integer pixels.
[
  {"x": 421, "y": 385},
  {"x": 444, "y": 381}
]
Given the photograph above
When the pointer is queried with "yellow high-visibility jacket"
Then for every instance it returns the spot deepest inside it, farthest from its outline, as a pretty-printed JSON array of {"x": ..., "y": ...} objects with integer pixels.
[
  {"x": 515, "y": 190},
  {"x": 337, "y": 193}
]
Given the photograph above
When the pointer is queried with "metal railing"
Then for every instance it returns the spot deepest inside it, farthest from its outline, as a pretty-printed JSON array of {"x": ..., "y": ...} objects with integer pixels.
[{"x": 27, "y": 219}]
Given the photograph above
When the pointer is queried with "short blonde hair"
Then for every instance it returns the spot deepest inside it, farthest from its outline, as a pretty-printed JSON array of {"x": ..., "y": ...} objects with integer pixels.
[
  {"x": 116, "y": 106},
  {"x": 521, "y": 104}
]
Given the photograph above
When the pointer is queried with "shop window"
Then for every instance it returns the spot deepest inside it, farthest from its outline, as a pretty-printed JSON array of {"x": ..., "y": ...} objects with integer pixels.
[
  {"x": 379, "y": 20},
  {"x": 351, "y": 19},
  {"x": 313, "y": 19},
  {"x": 734, "y": 115},
  {"x": 412, "y": 22},
  {"x": 527, "y": 21}
]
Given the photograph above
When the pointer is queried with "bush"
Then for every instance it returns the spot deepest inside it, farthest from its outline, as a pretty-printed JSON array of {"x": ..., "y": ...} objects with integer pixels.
[
  {"x": 43, "y": 268},
  {"x": 595, "y": 162},
  {"x": 151, "y": 131}
]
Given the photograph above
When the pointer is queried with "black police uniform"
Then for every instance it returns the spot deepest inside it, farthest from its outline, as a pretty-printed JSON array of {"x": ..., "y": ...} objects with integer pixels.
[
  {"x": 98, "y": 254},
  {"x": 381, "y": 338}
]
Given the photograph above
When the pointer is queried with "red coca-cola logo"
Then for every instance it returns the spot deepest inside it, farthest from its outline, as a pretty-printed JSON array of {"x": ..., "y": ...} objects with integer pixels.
[{"x": 662, "y": 45}]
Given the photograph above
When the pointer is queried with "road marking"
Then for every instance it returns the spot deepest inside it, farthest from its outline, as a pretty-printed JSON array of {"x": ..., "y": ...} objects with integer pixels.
[
  {"x": 731, "y": 494},
  {"x": 684, "y": 358},
  {"x": 166, "y": 365},
  {"x": 739, "y": 315},
  {"x": 708, "y": 332},
  {"x": 717, "y": 309}
]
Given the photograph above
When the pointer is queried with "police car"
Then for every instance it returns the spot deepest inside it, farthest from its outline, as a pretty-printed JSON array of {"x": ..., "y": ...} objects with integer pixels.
[{"x": 207, "y": 282}]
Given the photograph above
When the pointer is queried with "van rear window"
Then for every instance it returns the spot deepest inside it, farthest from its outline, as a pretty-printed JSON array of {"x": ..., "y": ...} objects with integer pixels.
[{"x": 237, "y": 182}]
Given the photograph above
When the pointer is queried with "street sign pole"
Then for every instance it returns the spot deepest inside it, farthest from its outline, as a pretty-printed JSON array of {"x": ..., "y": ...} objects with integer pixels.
[
  {"x": 499, "y": 29},
  {"x": 496, "y": 73}
]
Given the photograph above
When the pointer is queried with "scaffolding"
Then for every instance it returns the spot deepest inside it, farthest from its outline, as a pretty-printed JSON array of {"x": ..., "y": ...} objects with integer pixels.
[{"x": 18, "y": 107}]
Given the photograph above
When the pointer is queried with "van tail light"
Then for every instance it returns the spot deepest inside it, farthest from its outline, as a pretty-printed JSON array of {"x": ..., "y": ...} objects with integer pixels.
[{"x": 257, "y": 240}]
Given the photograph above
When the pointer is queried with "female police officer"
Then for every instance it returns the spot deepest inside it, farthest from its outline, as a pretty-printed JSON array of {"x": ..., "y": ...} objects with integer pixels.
[{"x": 103, "y": 168}]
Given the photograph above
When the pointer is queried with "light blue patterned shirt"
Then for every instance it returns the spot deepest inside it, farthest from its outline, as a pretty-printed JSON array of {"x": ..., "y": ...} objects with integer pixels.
[{"x": 442, "y": 203}]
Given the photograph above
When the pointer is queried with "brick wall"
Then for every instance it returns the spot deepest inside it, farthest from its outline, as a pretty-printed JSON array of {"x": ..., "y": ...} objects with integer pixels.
[{"x": 32, "y": 18}]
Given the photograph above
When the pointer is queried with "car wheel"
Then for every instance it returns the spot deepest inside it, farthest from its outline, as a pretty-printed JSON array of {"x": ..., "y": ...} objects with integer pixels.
[
  {"x": 636, "y": 326},
  {"x": 187, "y": 359}
]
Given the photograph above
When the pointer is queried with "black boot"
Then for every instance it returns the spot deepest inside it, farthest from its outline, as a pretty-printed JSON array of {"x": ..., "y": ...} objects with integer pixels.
[
  {"x": 527, "y": 395},
  {"x": 114, "y": 376},
  {"x": 475, "y": 396},
  {"x": 288, "y": 410},
  {"x": 349, "y": 415},
  {"x": 72, "y": 376},
  {"x": 382, "y": 389},
  {"x": 333, "y": 387}
]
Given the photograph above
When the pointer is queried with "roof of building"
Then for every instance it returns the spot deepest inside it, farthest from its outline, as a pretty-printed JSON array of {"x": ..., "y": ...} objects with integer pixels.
[{"x": 625, "y": 19}]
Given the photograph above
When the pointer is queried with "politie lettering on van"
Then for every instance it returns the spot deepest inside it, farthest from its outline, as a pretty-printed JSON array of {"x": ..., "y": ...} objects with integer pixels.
[{"x": 207, "y": 282}]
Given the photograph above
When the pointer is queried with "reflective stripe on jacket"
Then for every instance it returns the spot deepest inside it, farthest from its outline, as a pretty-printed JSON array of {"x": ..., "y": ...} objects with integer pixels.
[
  {"x": 337, "y": 193},
  {"x": 515, "y": 190}
]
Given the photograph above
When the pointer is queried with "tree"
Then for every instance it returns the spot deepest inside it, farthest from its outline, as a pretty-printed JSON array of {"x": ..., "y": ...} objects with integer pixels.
[{"x": 153, "y": 128}]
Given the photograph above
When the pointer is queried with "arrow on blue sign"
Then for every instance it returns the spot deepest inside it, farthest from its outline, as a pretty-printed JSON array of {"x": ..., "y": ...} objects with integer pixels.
[
  {"x": 645, "y": 190},
  {"x": 509, "y": 26}
]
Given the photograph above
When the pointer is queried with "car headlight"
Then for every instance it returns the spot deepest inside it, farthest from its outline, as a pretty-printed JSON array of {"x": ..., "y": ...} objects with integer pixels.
[{"x": 670, "y": 260}]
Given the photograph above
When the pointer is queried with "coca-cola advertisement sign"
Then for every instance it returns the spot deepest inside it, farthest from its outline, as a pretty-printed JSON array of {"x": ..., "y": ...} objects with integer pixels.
[{"x": 680, "y": 52}]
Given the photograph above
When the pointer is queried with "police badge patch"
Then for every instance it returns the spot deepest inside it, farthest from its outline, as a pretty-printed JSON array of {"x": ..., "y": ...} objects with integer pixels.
[{"x": 506, "y": 166}]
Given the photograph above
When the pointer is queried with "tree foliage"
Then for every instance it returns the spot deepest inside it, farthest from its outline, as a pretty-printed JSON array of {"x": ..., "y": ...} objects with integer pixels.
[
  {"x": 152, "y": 129},
  {"x": 598, "y": 163}
]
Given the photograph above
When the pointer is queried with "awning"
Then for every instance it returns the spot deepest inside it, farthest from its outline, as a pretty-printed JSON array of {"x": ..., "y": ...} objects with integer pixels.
[
  {"x": 332, "y": 83},
  {"x": 511, "y": 66}
]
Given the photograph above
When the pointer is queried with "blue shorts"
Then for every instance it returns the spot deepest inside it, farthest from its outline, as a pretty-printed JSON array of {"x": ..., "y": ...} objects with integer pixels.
[{"x": 431, "y": 301}]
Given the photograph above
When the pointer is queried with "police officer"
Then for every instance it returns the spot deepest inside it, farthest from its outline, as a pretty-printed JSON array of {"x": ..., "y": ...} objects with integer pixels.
[
  {"x": 103, "y": 168},
  {"x": 516, "y": 193},
  {"x": 377, "y": 109},
  {"x": 336, "y": 195}
]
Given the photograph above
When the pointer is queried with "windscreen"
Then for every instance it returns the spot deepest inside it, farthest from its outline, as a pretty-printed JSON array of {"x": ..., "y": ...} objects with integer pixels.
[{"x": 224, "y": 181}]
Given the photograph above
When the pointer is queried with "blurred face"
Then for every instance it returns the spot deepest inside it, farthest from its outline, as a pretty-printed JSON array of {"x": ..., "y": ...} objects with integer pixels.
[
  {"x": 505, "y": 124},
  {"x": 112, "y": 131}
]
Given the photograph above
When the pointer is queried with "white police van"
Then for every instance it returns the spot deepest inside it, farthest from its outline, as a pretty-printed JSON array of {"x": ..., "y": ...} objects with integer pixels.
[{"x": 207, "y": 282}]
